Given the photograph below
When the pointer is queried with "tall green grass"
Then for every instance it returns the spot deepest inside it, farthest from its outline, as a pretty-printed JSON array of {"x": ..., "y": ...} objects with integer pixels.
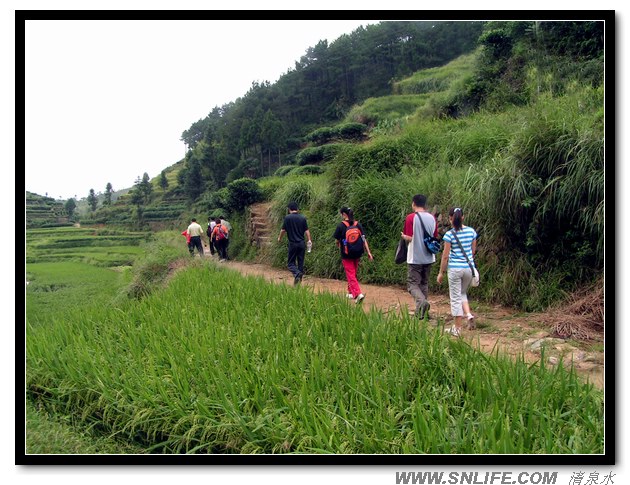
[
  {"x": 373, "y": 110},
  {"x": 57, "y": 434},
  {"x": 437, "y": 79},
  {"x": 530, "y": 180},
  {"x": 197, "y": 368}
]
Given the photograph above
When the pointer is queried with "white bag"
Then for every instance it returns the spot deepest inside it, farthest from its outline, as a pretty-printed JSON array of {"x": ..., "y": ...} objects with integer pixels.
[{"x": 475, "y": 279}]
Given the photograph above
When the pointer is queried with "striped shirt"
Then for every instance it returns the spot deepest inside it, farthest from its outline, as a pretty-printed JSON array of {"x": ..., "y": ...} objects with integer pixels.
[{"x": 456, "y": 258}]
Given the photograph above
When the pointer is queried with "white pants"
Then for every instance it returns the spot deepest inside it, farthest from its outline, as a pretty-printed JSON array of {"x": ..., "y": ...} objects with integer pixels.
[{"x": 458, "y": 282}]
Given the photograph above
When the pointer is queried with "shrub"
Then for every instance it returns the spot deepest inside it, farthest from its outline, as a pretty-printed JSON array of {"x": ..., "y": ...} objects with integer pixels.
[
  {"x": 241, "y": 193},
  {"x": 307, "y": 170},
  {"x": 284, "y": 170},
  {"x": 310, "y": 155},
  {"x": 322, "y": 135},
  {"x": 351, "y": 131}
]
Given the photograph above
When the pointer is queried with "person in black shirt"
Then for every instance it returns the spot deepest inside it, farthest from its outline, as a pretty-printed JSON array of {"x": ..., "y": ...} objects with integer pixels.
[{"x": 296, "y": 227}]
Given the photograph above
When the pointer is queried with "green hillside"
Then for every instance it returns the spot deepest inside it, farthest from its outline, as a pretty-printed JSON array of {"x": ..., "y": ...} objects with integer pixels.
[{"x": 42, "y": 211}]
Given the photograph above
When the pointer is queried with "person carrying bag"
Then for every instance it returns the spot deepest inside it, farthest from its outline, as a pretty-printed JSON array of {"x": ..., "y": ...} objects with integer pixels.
[{"x": 461, "y": 268}]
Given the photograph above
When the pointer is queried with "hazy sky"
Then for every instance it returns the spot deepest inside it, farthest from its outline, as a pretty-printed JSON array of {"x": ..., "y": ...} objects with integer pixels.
[{"x": 107, "y": 100}]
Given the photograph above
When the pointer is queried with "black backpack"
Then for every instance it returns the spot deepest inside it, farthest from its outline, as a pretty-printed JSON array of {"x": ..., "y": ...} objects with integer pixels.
[{"x": 353, "y": 240}]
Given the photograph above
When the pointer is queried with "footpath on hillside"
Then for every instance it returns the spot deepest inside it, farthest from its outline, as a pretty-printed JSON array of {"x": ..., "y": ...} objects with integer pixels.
[{"x": 498, "y": 328}]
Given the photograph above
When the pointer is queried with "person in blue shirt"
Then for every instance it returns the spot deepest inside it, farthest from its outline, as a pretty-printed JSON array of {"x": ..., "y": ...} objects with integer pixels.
[{"x": 459, "y": 271}]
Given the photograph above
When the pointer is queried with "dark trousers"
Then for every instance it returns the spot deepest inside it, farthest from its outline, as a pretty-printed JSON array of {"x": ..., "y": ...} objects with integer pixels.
[
  {"x": 195, "y": 242},
  {"x": 295, "y": 260},
  {"x": 418, "y": 283},
  {"x": 221, "y": 247}
]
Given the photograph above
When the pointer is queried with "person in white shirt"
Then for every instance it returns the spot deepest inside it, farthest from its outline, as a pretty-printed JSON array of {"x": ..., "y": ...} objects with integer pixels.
[
  {"x": 195, "y": 232},
  {"x": 419, "y": 259}
]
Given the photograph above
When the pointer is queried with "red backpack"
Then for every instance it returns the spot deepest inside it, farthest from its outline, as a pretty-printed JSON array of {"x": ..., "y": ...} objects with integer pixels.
[{"x": 221, "y": 234}]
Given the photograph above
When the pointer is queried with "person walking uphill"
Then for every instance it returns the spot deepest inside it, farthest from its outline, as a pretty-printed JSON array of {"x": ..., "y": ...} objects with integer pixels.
[
  {"x": 351, "y": 241},
  {"x": 295, "y": 226},
  {"x": 211, "y": 224},
  {"x": 419, "y": 258},
  {"x": 220, "y": 237},
  {"x": 195, "y": 231},
  {"x": 460, "y": 246}
]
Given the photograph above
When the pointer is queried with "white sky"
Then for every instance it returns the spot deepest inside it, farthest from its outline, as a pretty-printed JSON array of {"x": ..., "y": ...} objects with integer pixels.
[
  {"x": 108, "y": 100},
  {"x": 70, "y": 122}
]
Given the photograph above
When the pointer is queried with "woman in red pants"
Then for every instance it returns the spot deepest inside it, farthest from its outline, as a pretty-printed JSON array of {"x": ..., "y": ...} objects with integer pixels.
[{"x": 351, "y": 241}]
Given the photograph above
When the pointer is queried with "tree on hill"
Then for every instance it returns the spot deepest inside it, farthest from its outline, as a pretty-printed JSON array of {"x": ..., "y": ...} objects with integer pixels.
[
  {"x": 92, "y": 200},
  {"x": 142, "y": 190},
  {"x": 163, "y": 180},
  {"x": 193, "y": 182},
  {"x": 108, "y": 194},
  {"x": 70, "y": 206},
  {"x": 272, "y": 136},
  {"x": 140, "y": 196}
]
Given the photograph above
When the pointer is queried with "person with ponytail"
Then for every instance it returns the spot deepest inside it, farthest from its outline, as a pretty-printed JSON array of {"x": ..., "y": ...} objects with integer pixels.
[
  {"x": 459, "y": 238},
  {"x": 351, "y": 241}
]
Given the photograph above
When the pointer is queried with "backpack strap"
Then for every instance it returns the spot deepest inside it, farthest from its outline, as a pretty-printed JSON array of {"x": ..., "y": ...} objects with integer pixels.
[
  {"x": 472, "y": 268},
  {"x": 426, "y": 234}
]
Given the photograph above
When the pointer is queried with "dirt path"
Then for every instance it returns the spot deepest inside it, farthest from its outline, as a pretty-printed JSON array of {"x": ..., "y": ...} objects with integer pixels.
[{"x": 497, "y": 327}]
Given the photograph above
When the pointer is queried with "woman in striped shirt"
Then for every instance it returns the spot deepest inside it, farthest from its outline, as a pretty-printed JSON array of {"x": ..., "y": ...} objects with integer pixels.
[{"x": 459, "y": 271}]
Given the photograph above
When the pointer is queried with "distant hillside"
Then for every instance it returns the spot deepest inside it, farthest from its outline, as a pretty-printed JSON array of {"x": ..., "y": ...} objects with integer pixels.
[
  {"x": 83, "y": 207},
  {"x": 164, "y": 207},
  {"x": 42, "y": 211}
]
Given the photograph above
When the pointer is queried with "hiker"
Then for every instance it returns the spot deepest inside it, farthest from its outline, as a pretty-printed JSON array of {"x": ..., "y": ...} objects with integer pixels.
[
  {"x": 220, "y": 236},
  {"x": 460, "y": 246},
  {"x": 419, "y": 258},
  {"x": 187, "y": 236},
  {"x": 211, "y": 224},
  {"x": 195, "y": 231},
  {"x": 295, "y": 226},
  {"x": 227, "y": 225},
  {"x": 351, "y": 241}
]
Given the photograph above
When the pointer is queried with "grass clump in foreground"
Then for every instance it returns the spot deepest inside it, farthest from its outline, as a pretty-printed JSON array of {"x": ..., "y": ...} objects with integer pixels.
[
  {"x": 276, "y": 369},
  {"x": 49, "y": 434}
]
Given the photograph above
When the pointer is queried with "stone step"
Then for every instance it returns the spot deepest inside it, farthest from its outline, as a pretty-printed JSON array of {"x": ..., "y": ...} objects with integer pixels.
[{"x": 260, "y": 226}]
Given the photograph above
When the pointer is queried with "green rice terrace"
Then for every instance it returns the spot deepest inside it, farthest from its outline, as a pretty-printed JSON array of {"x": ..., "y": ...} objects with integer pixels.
[{"x": 142, "y": 364}]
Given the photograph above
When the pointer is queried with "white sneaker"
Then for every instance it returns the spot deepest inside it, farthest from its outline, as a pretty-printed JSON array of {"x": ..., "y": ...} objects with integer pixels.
[
  {"x": 349, "y": 296},
  {"x": 454, "y": 332},
  {"x": 360, "y": 298}
]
